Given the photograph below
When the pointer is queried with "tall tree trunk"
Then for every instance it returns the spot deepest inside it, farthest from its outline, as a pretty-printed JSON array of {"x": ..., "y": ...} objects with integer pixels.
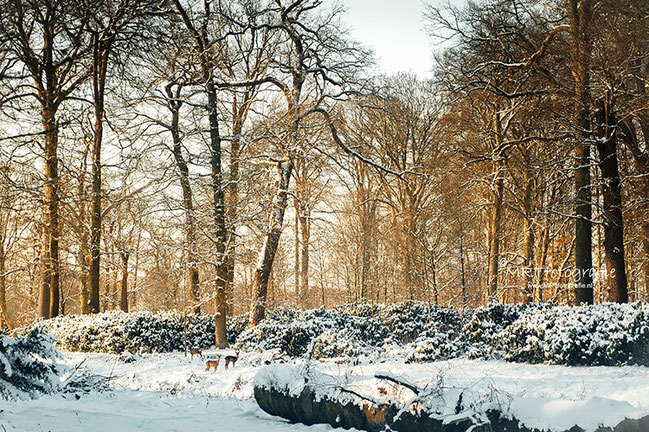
[
  {"x": 365, "y": 255},
  {"x": 528, "y": 238},
  {"x": 616, "y": 279},
  {"x": 269, "y": 248},
  {"x": 84, "y": 291},
  {"x": 583, "y": 225},
  {"x": 496, "y": 210},
  {"x": 82, "y": 252},
  {"x": 235, "y": 149},
  {"x": 433, "y": 269},
  {"x": 203, "y": 50},
  {"x": 645, "y": 265},
  {"x": 221, "y": 306},
  {"x": 95, "y": 225},
  {"x": 100, "y": 68},
  {"x": 545, "y": 244},
  {"x": 462, "y": 271},
  {"x": 48, "y": 305},
  {"x": 580, "y": 13},
  {"x": 494, "y": 241},
  {"x": 174, "y": 103},
  {"x": 296, "y": 276},
  {"x": 123, "y": 300}
]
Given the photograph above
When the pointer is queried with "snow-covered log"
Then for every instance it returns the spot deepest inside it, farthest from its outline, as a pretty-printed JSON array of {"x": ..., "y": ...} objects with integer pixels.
[{"x": 302, "y": 394}]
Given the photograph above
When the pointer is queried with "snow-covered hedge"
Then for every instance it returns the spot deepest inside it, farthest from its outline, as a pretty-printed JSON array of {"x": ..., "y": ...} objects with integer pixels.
[
  {"x": 607, "y": 334},
  {"x": 116, "y": 331},
  {"x": 28, "y": 365},
  {"x": 292, "y": 333},
  {"x": 339, "y": 343}
]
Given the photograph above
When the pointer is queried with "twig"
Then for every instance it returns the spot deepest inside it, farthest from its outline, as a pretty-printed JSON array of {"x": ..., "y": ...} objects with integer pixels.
[{"x": 360, "y": 396}]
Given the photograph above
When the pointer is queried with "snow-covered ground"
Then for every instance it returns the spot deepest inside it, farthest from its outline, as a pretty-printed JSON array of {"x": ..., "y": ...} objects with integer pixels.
[
  {"x": 157, "y": 392},
  {"x": 168, "y": 392}
]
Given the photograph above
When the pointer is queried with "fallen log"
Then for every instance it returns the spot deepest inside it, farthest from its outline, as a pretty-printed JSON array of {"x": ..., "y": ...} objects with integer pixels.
[{"x": 298, "y": 397}]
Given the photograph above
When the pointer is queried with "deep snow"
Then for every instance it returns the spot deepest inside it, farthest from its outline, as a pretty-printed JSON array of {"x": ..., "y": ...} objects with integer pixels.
[{"x": 168, "y": 392}]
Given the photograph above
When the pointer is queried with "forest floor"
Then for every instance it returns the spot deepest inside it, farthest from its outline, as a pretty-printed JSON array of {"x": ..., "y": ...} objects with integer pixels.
[{"x": 171, "y": 392}]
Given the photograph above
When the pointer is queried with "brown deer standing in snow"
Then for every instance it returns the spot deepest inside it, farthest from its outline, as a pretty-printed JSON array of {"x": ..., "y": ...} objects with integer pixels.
[{"x": 212, "y": 364}]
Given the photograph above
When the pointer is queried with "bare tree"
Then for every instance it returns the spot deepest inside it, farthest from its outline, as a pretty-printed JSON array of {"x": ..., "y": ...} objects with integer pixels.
[
  {"x": 49, "y": 38},
  {"x": 108, "y": 21},
  {"x": 314, "y": 49}
]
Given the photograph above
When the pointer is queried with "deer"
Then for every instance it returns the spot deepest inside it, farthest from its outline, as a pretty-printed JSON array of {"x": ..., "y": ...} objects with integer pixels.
[
  {"x": 231, "y": 359},
  {"x": 212, "y": 364},
  {"x": 196, "y": 351}
]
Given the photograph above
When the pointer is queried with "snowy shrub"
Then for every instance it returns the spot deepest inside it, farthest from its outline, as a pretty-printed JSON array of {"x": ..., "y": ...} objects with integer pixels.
[
  {"x": 293, "y": 335},
  {"x": 284, "y": 314},
  {"x": 409, "y": 319},
  {"x": 341, "y": 343},
  {"x": 434, "y": 343},
  {"x": 486, "y": 323},
  {"x": 236, "y": 325},
  {"x": 607, "y": 334},
  {"x": 291, "y": 339},
  {"x": 28, "y": 365},
  {"x": 116, "y": 331},
  {"x": 359, "y": 309}
]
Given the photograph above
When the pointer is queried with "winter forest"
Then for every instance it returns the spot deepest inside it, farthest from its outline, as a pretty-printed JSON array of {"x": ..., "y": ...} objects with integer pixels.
[{"x": 237, "y": 178}]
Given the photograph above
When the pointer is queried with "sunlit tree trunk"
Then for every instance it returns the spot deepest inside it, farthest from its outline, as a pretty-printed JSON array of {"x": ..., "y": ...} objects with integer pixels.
[
  {"x": 221, "y": 231},
  {"x": 305, "y": 239},
  {"x": 100, "y": 62},
  {"x": 528, "y": 228},
  {"x": 496, "y": 210},
  {"x": 48, "y": 305}
]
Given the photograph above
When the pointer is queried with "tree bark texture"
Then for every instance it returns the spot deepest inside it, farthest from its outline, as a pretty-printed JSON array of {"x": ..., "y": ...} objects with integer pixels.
[
  {"x": 48, "y": 306},
  {"x": 5, "y": 322},
  {"x": 221, "y": 305},
  {"x": 580, "y": 13},
  {"x": 615, "y": 277}
]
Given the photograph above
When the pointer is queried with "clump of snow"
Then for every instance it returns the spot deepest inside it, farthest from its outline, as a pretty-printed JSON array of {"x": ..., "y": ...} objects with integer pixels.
[{"x": 562, "y": 415}]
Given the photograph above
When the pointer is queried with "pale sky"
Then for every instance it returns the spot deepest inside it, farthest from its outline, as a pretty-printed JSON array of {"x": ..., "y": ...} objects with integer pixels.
[{"x": 395, "y": 30}]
